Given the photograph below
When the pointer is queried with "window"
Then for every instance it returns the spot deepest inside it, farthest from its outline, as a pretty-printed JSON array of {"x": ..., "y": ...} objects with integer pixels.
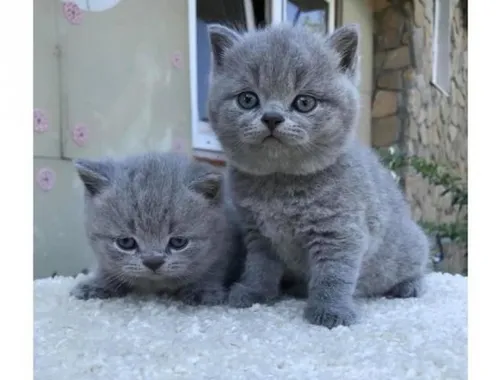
[
  {"x": 314, "y": 14},
  {"x": 246, "y": 14},
  {"x": 441, "y": 76}
]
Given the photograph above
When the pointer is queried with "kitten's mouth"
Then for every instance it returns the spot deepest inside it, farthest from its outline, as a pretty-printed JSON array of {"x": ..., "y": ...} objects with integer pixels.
[{"x": 271, "y": 138}]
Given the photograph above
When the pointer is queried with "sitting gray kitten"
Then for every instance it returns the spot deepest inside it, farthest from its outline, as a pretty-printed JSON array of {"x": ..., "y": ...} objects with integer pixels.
[
  {"x": 316, "y": 204},
  {"x": 158, "y": 223}
]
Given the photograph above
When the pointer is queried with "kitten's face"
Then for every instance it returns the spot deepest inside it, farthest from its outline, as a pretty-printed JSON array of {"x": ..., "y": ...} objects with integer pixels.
[
  {"x": 283, "y": 99},
  {"x": 152, "y": 216}
]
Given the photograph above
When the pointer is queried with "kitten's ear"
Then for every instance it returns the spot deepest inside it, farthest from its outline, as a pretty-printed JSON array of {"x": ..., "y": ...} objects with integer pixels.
[
  {"x": 209, "y": 185},
  {"x": 344, "y": 41},
  {"x": 95, "y": 175},
  {"x": 221, "y": 38}
]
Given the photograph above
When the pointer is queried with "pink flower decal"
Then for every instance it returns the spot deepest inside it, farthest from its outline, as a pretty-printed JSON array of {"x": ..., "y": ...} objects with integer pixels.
[
  {"x": 179, "y": 146},
  {"x": 80, "y": 134},
  {"x": 46, "y": 178},
  {"x": 72, "y": 13},
  {"x": 177, "y": 60},
  {"x": 40, "y": 121}
]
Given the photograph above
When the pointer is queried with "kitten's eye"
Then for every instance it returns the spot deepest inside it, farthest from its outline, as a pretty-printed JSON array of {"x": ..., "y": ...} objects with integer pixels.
[
  {"x": 126, "y": 244},
  {"x": 248, "y": 100},
  {"x": 304, "y": 103},
  {"x": 177, "y": 243}
]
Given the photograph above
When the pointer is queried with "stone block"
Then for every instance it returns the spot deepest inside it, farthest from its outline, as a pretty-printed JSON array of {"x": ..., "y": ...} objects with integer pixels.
[
  {"x": 422, "y": 116},
  {"x": 423, "y": 135},
  {"x": 385, "y": 131},
  {"x": 398, "y": 58},
  {"x": 413, "y": 129},
  {"x": 384, "y": 104},
  {"x": 408, "y": 77},
  {"x": 434, "y": 113},
  {"x": 380, "y": 58},
  {"x": 380, "y": 5},
  {"x": 418, "y": 47},
  {"x": 428, "y": 7},
  {"x": 388, "y": 39},
  {"x": 455, "y": 116},
  {"x": 444, "y": 111},
  {"x": 410, "y": 147},
  {"x": 452, "y": 132},
  {"x": 414, "y": 100},
  {"x": 419, "y": 14},
  {"x": 390, "y": 81},
  {"x": 393, "y": 19},
  {"x": 461, "y": 98},
  {"x": 434, "y": 136}
]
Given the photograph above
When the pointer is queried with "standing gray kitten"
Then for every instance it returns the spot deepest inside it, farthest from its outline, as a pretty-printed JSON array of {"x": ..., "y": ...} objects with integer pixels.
[
  {"x": 316, "y": 205},
  {"x": 158, "y": 223}
]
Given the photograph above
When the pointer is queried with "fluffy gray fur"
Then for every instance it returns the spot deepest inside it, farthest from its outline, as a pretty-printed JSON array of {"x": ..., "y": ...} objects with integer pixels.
[
  {"x": 317, "y": 205},
  {"x": 153, "y": 198}
]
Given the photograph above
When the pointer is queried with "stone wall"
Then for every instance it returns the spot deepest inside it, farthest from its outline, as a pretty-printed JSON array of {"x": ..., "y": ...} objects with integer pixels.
[
  {"x": 392, "y": 66},
  {"x": 409, "y": 112}
]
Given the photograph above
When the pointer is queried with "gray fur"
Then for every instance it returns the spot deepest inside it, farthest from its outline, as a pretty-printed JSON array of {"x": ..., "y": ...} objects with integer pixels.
[
  {"x": 152, "y": 198},
  {"x": 317, "y": 205}
]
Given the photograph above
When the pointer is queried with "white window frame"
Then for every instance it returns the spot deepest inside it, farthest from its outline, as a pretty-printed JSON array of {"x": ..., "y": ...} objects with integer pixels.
[
  {"x": 203, "y": 140},
  {"x": 440, "y": 41}
]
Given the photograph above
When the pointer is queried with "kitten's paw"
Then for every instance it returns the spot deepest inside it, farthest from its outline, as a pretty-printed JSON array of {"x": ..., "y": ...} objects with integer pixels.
[
  {"x": 87, "y": 291},
  {"x": 241, "y": 296},
  {"x": 210, "y": 296},
  {"x": 214, "y": 296},
  {"x": 330, "y": 316},
  {"x": 406, "y": 289}
]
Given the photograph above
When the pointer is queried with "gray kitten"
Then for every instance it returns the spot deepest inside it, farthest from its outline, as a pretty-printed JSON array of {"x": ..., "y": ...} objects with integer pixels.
[
  {"x": 316, "y": 204},
  {"x": 158, "y": 223}
]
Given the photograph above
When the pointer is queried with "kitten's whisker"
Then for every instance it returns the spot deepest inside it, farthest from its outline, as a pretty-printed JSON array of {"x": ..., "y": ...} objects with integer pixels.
[{"x": 117, "y": 280}]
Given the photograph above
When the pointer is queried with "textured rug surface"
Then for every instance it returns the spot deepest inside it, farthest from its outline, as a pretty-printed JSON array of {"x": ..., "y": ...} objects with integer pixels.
[{"x": 137, "y": 338}]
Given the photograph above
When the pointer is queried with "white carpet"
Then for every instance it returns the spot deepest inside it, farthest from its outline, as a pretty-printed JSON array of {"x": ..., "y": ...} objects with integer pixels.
[{"x": 137, "y": 339}]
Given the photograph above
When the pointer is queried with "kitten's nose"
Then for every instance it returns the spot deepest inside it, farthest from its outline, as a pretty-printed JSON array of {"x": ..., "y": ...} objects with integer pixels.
[
  {"x": 272, "y": 119},
  {"x": 153, "y": 262}
]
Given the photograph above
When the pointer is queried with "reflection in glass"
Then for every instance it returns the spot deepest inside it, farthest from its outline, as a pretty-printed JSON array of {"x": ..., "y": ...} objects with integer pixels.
[
  {"x": 310, "y": 13},
  {"x": 227, "y": 12}
]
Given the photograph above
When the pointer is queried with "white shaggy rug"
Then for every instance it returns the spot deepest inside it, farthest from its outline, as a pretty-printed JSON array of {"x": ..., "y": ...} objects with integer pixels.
[{"x": 138, "y": 339}]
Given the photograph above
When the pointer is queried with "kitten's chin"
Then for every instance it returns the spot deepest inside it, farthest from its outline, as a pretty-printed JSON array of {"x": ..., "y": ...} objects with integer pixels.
[
  {"x": 277, "y": 157},
  {"x": 272, "y": 142},
  {"x": 272, "y": 165}
]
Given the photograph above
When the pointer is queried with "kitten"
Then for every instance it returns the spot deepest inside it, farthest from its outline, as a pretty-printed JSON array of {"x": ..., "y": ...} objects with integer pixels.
[
  {"x": 158, "y": 223},
  {"x": 316, "y": 204}
]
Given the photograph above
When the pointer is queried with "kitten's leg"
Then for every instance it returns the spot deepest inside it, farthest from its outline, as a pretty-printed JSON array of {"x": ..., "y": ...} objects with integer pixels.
[
  {"x": 335, "y": 253},
  {"x": 100, "y": 285},
  {"x": 204, "y": 293},
  {"x": 260, "y": 281},
  {"x": 210, "y": 289},
  {"x": 412, "y": 253},
  {"x": 406, "y": 289}
]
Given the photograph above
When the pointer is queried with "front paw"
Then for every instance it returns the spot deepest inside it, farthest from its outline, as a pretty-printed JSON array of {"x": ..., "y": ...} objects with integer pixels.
[
  {"x": 329, "y": 315},
  {"x": 96, "y": 289},
  {"x": 242, "y": 296},
  {"x": 210, "y": 296},
  {"x": 87, "y": 291}
]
